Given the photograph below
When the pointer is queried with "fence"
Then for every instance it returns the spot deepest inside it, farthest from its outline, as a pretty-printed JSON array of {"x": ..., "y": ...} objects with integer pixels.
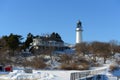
[{"x": 86, "y": 74}]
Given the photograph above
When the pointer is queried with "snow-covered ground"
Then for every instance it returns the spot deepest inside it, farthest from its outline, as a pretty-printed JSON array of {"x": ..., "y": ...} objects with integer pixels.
[
  {"x": 19, "y": 74},
  {"x": 37, "y": 75}
]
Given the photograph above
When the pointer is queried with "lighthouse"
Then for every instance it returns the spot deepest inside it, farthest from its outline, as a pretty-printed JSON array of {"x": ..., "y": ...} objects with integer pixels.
[{"x": 79, "y": 32}]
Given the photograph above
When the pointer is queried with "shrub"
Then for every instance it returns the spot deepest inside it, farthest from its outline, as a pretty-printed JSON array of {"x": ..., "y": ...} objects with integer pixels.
[
  {"x": 36, "y": 63},
  {"x": 80, "y": 64},
  {"x": 72, "y": 66},
  {"x": 113, "y": 67},
  {"x": 95, "y": 64},
  {"x": 118, "y": 62},
  {"x": 65, "y": 67},
  {"x": 84, "y": 66}
]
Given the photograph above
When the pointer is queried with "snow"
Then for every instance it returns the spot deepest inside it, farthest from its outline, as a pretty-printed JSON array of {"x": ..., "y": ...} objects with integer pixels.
[
  {"x": 19, "y": 74},
  {"x": 37, "y": 74}
]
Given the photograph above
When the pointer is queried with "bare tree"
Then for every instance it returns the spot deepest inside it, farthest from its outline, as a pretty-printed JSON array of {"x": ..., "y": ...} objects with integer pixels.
[
  {"x": 114, "y": 47},
  {"x": 49, "y": 51},
  {"x": 66, "y": 58},
  {"x": 82, "y": 48},
  {"x": 105, "y": 52},
  {"x": 100, "y": 49}
]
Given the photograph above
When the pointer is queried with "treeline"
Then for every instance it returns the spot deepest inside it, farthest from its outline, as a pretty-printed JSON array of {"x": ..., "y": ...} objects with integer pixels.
[
  {"x": 12, "y": 45},
  {"x": 13, "y": 42},
  {"x": 97, "y": 49},
  {"x": 90, "y": 54}
]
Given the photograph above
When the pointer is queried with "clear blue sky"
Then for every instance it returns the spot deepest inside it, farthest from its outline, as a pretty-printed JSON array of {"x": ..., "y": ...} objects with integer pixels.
[{"x": 100, "y": 18}]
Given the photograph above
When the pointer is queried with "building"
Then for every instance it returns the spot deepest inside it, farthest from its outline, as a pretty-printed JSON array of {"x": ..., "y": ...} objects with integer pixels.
[
  {"x": 79, "y": 32},
  {"x": 46, "y": 42},
  {"x": 40, "y": 42}
]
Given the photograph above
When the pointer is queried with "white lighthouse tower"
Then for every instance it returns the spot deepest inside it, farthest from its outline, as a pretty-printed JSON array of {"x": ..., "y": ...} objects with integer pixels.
[{"x": 79, "y": 32}]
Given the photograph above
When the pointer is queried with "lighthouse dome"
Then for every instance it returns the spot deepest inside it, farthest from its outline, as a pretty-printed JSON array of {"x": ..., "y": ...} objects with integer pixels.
[{"x": 79, "y": 24}]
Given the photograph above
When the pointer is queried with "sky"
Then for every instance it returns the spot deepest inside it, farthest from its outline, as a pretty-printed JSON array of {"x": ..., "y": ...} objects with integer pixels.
[{"x": 100, "y": 18}]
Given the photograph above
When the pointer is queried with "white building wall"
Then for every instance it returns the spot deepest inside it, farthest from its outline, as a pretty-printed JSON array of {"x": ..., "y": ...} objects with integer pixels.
[
  {"x": 78, "y": 35},
  {"x": 39, "y": 42}
]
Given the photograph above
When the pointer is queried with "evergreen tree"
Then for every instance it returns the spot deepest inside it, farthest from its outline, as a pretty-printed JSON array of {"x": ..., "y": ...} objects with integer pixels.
[
  {"x": 53, "y": 36},
  {"x": 28, "y": 40},
  {"x": 13, "y": 42},
  {"x": 56, "y": 37}
]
